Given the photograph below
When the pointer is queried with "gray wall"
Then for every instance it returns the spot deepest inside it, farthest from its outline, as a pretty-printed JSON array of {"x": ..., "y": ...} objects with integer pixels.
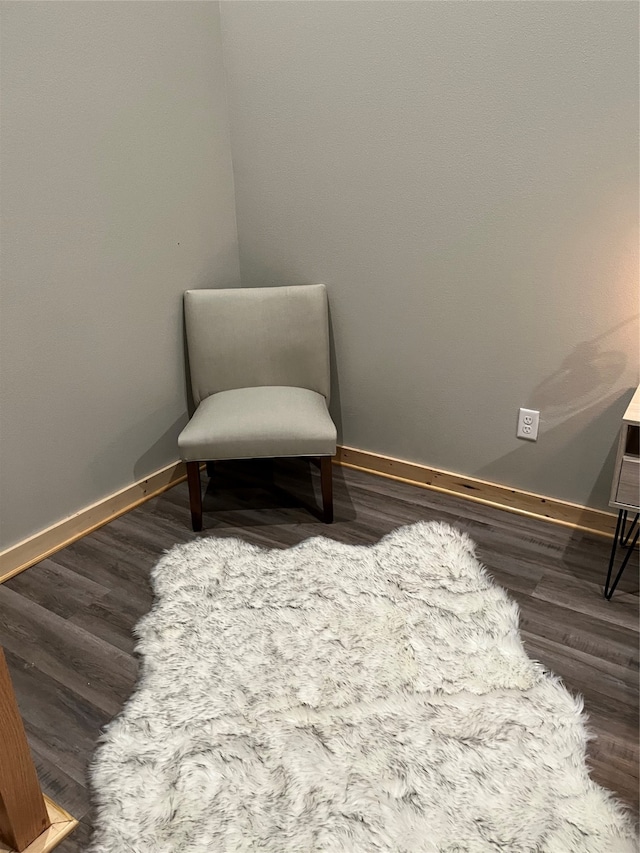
[
  {"x": 464, "y": 178},
  {"x": 117, "y": 195}
]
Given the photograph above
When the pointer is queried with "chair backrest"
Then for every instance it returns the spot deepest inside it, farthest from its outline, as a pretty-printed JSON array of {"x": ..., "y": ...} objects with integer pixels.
[{"x": 247, "y": 337}]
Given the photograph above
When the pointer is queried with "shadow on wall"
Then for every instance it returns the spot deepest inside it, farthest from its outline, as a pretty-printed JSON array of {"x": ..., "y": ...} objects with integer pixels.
[
  {"x": 160, "y": 453},
  {"x": 164, "y": 450},
  {"x": 564, "y": 451},
  {"x": 577, "y": 410},
  {"x": 584, "y": 377}
]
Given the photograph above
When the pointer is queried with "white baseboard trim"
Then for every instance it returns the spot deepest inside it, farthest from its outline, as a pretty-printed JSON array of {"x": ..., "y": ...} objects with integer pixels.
[
  {"x": 24, "y": 554},
  {"x": 481, "y": 491}
]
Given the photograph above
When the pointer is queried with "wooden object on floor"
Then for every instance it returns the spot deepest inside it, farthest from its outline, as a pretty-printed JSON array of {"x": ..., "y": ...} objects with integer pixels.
[
  {"x": 61, "y": 824},
  {"x": 23, "y": 816},
  {"x": 19, "y": 557},
  {"x": 195, "y": 494},
  {"x": 480, "y": 491}
]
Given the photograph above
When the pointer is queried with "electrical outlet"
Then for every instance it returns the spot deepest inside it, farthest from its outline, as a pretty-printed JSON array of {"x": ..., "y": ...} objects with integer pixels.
[{"x": 528, "y": 420}]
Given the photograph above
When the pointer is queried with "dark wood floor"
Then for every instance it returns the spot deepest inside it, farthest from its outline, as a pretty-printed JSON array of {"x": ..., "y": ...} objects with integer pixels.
[{"x": 66, "y": 623}]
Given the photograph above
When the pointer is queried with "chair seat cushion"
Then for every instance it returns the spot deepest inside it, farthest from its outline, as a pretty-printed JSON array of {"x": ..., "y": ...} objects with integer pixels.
[{"x": 253, "y": 422}]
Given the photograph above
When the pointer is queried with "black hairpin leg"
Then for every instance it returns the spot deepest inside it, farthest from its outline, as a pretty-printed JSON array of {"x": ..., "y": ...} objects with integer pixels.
[{"x": 623, "y": 537}]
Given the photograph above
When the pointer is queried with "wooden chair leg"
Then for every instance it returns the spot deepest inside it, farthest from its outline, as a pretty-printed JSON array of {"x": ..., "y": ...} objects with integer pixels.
[
  {"x": 195, "y": 494},
  {"x": 211, "y": 469},
  {"x": 23, "y": 815},
  {"x": 326, "y": 482}
]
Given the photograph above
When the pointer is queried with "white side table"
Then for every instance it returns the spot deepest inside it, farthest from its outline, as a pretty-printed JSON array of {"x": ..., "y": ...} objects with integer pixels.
[{"x": 625, "y": 490}]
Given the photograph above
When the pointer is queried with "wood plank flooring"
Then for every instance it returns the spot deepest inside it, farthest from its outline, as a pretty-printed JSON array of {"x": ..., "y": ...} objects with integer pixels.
[{"x": 66, "y": 623}]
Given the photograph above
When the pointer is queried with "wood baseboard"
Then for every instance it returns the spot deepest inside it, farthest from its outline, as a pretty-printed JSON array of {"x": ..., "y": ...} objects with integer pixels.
[
  {"x": 24, "y": 554},
  {"x": 61, "y": 825},
  {"x": 492, "y": 494}
]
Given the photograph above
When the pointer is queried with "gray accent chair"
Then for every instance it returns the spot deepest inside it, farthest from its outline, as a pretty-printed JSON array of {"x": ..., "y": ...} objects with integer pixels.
[{"x": 259, "y": 364}]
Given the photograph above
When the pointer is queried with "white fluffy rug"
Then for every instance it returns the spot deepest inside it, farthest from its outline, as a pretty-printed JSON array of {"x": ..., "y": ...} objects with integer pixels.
[{"x": 344, "y": 699}]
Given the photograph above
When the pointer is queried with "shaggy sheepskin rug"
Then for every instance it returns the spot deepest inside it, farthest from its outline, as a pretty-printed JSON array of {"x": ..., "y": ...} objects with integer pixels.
[{"x": 347, "y": 700}]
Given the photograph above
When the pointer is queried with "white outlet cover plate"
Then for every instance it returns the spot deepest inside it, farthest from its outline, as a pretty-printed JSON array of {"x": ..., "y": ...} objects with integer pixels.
[{"x": 528, "y": 421}]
